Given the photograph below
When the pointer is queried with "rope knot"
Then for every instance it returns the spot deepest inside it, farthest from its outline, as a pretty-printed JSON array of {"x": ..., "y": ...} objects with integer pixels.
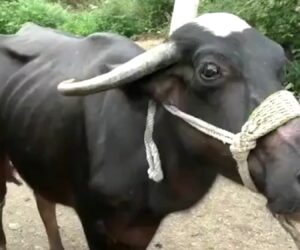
[
  {"x": 241, "y": 146},
  {"x": 274, "y": 111}
]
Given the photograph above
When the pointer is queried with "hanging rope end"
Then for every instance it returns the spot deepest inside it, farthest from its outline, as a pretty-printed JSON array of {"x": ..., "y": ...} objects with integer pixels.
[{"x": 155, "y": 175}]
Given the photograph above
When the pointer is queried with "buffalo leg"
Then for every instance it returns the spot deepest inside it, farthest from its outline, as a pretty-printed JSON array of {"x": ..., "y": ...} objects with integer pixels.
[
  {"x": 94, "y": 233},
  {"x": 2, "y": 201},
  {"x": 95, "y": 239},
  {"x": 48, "y": 215},
  {"x": 2, "y": 234}
]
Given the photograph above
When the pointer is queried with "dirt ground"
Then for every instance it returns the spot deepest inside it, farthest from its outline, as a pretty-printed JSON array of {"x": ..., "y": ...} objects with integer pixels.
[{"x": 230, "y": 217}]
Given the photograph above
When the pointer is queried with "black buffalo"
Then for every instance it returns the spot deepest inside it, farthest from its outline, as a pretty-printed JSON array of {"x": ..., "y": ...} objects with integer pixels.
[{"x": 88, "y": 152}]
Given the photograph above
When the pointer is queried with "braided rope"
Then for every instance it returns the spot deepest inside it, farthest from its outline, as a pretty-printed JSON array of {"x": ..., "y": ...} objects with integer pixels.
[
  {"x": 274, "y": 111},
  {"x": 154, "y": 171},
  {"x": 206, "y": 128}
]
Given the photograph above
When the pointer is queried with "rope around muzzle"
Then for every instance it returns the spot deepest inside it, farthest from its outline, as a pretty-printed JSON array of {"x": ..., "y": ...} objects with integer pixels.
[{"x": 273, "y": 112}]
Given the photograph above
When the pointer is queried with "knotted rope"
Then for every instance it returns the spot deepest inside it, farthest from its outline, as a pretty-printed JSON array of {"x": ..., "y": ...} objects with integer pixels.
[{"x": 272, "y": 113}]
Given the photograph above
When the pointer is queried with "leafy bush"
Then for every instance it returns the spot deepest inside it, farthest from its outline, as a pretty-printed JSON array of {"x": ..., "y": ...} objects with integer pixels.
[
  {"x": 293, "y": 74},
  {"x": 131, "y": 17},
  {"x": 122, "y": 16},
  {"x": 109, "y": 17},
  {"x": 126, "y": 17},
  {"x": 15, "y": 13},
  {"x": 78, "y": 4},
  {"x": 158, "y": 13}
]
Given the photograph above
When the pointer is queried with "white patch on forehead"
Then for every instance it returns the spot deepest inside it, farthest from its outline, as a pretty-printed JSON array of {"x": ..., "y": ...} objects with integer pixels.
[{"x": 222, "y": 24}]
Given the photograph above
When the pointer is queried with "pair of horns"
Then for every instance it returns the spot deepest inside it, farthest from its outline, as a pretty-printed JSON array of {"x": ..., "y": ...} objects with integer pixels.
[{"x": 150, "y": 61}]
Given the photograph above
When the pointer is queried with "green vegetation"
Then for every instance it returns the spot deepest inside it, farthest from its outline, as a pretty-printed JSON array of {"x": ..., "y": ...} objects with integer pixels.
[
  {"x": 278, "y": 19},
  {"x": 126, "y": 17}
]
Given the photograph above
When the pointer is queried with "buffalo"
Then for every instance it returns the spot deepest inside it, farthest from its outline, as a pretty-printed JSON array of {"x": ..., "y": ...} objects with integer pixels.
[{"x": 82, "y": 144}]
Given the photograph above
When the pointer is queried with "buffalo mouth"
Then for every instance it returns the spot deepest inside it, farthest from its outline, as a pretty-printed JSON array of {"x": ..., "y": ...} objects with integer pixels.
[
  {"x": 290, "y": 210},
  {"x": 286, "y": 204},
  {"x": 294, "y": 216}
]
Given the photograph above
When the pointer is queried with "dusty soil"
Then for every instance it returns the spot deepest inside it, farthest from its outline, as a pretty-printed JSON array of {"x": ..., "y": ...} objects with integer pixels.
[{"x": 230, "y": 217}]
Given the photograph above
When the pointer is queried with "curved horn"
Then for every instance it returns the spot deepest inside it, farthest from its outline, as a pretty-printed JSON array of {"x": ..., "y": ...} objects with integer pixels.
[{"x": 144, "y": 64}]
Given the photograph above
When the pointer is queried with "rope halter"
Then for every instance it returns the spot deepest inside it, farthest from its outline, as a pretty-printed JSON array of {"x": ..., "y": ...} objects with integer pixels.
[{"x": 274, "y": 111}]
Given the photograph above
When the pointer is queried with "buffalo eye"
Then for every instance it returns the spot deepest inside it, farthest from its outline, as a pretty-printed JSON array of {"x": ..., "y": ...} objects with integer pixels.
[{"x": 210, "y": 71}]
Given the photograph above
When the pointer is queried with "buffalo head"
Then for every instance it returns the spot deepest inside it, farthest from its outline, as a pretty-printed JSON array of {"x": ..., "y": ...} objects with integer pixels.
[{"x": 219, "y": 69}]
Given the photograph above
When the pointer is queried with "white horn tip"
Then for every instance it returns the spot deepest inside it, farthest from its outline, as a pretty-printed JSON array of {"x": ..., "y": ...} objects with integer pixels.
[{"x": 64, "y": 86}]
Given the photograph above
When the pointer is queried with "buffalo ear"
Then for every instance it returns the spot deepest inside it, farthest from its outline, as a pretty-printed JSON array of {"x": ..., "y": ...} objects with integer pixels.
[
  {"x": 170, "y": 86},
  {"x": 167, "y": 89}
]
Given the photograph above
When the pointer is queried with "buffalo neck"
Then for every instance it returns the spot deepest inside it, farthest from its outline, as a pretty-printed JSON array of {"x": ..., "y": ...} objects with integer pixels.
[{"x": 182, "y": 146}]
